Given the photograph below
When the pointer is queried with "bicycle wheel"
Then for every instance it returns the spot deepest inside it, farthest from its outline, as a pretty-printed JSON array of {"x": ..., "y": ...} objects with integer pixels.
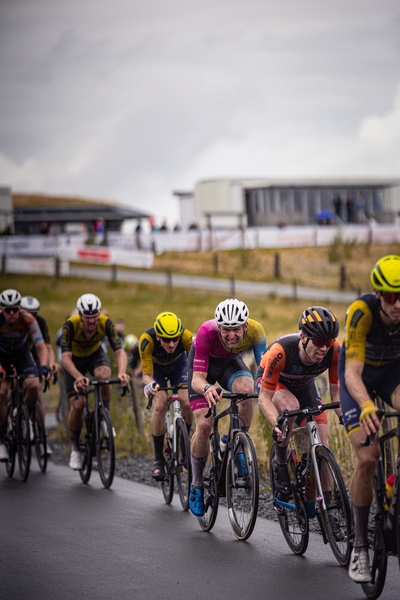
[
  {"x": 211, "y": 499},
  {"x": 105, "y": 448},
  {"x": 23, "y": 442},
  {"x": 10, "y": 441},
  {"x": 336, "y": 518},
  {"x": 377, "y": 562},
  {"x": 40, "y": 438},
  {"x": 292, "y": 516},
  {"x": 242, "y": 486},
  {"x": 183, "y": 463},
  {"x": 86, "y": 448},
  {"x": 167, "y": 483}
]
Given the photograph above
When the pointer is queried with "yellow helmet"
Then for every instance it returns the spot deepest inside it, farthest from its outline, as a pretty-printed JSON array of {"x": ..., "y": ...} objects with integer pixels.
[
  {"x": 385, "y": 276},
  {"x": 167, "y": 325}
]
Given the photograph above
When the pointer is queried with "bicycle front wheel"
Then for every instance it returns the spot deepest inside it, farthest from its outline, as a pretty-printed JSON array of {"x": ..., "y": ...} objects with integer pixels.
[
  {"x": 211, "y": 499},
  {"x": 40, "y": 438},
  {"x": 167, "y": 483},
  {"x": 10, "y": 441},
  {"x": 377, "y": 562},
  {"x": 23, "y": 442},
  {"x": 183, "y": 463},
  {"x": 86, "y": 448},
  {"x": 292, "y": 516},
  {"x": 105, "y": 448},
  {"x": 336, "y": 518},
  {"x": 242, "y": 486}
]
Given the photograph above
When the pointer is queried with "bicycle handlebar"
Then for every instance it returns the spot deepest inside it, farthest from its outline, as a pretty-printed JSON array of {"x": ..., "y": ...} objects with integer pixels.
[
  {"x": 369, "y": 440},
  {"x": 282, "y": 419},
  {"x": 125, "y": 389},
  {"x": 174, "y": 389},
  {"x": 231, "y": 396}
]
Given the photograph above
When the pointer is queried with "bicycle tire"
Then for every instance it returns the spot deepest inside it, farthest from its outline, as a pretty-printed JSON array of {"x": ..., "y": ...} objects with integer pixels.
[
  {"x": 40, "y": 438},
  {"x": 86, "y": 448},
  {"x": 23, "y": 442},
  {"x": 167, "y": 483},
  {"x": 183, "y": 463},
  {"x": 337, "y": 513},
  {"x": 293, "y": 523},
  {"x": 211, "y": 497},
  {"x": 105, "y": 447},
  {"x": 377, "y": 560},
  {"x": 242, "y": 488},
  {"x": 10, "y": 442}
]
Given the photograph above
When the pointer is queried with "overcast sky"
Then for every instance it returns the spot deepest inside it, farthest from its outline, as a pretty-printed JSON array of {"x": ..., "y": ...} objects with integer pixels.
[{"x": 128, "y": 100}]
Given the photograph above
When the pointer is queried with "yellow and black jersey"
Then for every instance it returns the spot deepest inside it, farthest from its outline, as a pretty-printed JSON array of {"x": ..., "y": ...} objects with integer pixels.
[
  {"x": 73, "y": 339},
  {"x": 367, "y": 338},
  {"x": 151, "y": 350}
]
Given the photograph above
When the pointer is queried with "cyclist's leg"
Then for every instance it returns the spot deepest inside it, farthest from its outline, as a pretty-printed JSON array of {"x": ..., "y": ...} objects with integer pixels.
[
  {"x": 178, "y": 375},
  {"x": 99, "y": 366},
  {"x": 157, "y": 422},
  {"x": 283, "y": 399},
  {"x": 3, "y": 414},
  {"x": 237, "y": 378},
  {"x": 77, "y": 405},
  {"x": 199, "y": 448}
]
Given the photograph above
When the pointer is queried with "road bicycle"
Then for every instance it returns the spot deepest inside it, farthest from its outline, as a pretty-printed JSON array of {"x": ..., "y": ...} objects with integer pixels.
[
  {"x": 38, "y": 433},
  {"x": 384, "y": 524},
  {"x": 177, "y": 459},
  {"x": 315, "y": 475},
  {"x": 17, "y": 438},
  {"x": 97, "y": 435},
  {"x": 233, "y": 474}
]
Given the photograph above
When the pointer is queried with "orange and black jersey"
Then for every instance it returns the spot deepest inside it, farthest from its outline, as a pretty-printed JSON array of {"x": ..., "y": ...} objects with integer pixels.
[
  {"x": 73, "y": 339},
  {"x": 151, "y": 350},
  {"x": 367, "y": 338},
  {"x": 283, "y": 366}
]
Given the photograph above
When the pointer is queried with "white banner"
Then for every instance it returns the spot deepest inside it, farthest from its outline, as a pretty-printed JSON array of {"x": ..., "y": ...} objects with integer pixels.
[{"x": 36, "y": 266}]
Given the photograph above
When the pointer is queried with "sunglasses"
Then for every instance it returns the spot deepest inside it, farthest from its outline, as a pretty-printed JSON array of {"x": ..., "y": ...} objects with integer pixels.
[
  {"x": 320, "y": 342},
  {"x": 13, "y": 309},
  {"x": 390, "y": 298},
  {"x": 167, "y": 340}
]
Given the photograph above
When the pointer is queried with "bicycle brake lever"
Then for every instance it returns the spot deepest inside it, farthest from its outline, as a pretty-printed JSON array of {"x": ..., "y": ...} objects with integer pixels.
[
  {"x": 149, "y": 403},
  {"x": 369, "y": 440}
]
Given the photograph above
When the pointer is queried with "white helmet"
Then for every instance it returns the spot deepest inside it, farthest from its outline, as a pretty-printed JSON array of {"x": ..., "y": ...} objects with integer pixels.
[
  {"x": 10, "y": 298},
  {"x": 89, "y": 305},
  {"x": 30, "y": 303},
  {"x": 131, "y": 341},
  {"x": 231, "y": 313}
]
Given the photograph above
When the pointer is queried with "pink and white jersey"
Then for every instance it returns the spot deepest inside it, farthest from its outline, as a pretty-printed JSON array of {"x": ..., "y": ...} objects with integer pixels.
[{"x": 208, "y": 344}]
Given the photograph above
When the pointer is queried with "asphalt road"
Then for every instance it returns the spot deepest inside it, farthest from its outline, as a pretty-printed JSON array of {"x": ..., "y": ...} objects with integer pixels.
[{"x": 63, "y": 540}]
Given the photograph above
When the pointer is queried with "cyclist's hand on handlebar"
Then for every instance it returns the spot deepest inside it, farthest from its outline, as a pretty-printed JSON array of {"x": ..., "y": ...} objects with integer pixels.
[
  {"x": 81, "y": 383},
  {"x": 54, "y": 368},
  {"x": 277, "y": 434},
  {"x": 124, "y": 379},
  {"x": 369, "y": 421},
  {"x": 45, "y": 374},
  {"x": 151, "y": 388},
  {"x": 211, "y": 394}
]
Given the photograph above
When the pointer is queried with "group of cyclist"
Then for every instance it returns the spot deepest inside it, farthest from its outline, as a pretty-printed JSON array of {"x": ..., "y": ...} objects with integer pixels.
[{"x": 368, "y": 364}]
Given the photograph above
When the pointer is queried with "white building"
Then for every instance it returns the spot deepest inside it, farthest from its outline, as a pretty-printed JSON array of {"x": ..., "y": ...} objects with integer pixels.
[{"x": 265, "y": 202}]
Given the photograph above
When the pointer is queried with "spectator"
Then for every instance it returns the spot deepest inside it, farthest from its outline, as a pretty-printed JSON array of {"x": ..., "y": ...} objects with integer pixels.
[
  {"x": 120, "y": 328},
  {"x": 177, "y": 227},
  {"x": 350, "y": 208},
  {"x": 164, "y": 226}
]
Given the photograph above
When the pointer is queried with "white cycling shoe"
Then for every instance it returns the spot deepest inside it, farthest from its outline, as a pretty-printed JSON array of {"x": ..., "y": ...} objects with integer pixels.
[
  {"x": 75, "y": 462},
  {"x": 359, "y": 566},
  {"x": 3, "y": 453}
]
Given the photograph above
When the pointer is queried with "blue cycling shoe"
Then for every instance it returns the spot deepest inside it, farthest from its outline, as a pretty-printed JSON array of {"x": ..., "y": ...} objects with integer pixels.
[
  {"x": 196, "y": 502},
  {"x": 241, "y": 464}
]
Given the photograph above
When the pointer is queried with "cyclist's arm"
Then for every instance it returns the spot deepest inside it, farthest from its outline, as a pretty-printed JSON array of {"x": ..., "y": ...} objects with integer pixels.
[
  {"x": 80, "y": 380},
  {"x": 335, "y": 396},
  {"x": 122, "y": 362},
  {"x": 268, "y": 408},
  {"x": 43, "y": 356},
  {"x": 199, "y": 382},
  {"x": 358, "y": 391},
  {"x": 53, "y": 366}
]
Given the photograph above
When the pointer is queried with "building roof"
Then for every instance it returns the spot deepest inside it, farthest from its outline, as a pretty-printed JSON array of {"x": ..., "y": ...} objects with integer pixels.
[{"x": 70, "y": 213}]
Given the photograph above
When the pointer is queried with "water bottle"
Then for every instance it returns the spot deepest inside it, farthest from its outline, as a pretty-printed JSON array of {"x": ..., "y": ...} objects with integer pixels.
[
  {"x": 171, "y": 431},
  {"x": 222, "y": 446}
]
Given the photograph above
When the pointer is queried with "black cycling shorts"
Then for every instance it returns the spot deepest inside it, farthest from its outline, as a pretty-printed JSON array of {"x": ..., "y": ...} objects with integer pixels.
[{"x": 85, "y": 364}]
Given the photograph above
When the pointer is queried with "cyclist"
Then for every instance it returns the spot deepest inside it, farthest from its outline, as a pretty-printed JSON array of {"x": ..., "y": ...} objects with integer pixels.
[
  {"x": 81, "y": 353},
  {"x": 369, "y": 364},
  {"x": 32, "y": 305},
  {"x": 286, "y": 377},
  {"x": 163, "y": 351},
  {"x": 15, "y": 325},
  {"x": 216, "y": 357}
]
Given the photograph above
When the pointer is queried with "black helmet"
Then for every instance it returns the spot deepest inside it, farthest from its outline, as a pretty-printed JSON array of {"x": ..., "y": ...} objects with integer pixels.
[{"x": 318, "y": 321}]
